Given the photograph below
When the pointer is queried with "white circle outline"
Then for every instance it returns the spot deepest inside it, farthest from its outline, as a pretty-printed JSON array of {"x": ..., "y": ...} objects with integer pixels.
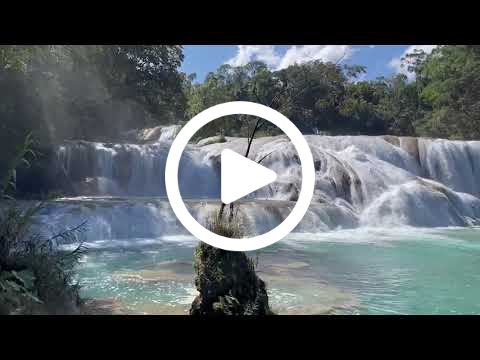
[{"x": 181, "y": 141}]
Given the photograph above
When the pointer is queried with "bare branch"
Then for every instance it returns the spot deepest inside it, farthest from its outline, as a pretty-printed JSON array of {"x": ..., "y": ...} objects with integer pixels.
[
  {"x": 252, "y": 136},
  {"x": 263, "y": 158},
  {"x": 67, "y": 234},
  {"x": 341, "y": 59}
]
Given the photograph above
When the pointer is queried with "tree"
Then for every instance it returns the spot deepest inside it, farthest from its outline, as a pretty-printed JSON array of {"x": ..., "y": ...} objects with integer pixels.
[
  {"x": 90, "y": 92},
  {"x": 450, "y": 78},
  {"x": 147, "y": 74},
  {"x": 35, "y": 276}
]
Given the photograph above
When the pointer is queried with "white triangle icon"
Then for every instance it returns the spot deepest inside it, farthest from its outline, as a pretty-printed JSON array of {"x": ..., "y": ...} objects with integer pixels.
[{"x": 241, "y": 176}]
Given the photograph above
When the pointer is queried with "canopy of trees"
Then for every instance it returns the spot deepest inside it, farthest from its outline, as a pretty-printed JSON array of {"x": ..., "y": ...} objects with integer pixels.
[
  {"x": 448, "y": 81},
  {"x": 89, "y": 91},
  {"x": 93, "y": 92},
  {"x": 443, "y": 100}
]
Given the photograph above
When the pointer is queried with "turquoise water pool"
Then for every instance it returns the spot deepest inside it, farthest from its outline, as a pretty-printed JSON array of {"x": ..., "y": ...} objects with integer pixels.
[{"x": 362, "y": 271}]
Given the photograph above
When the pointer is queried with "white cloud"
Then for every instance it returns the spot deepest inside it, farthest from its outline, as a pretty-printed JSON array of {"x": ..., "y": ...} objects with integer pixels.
[
  {"x": 326, "y": 53},
  {"x": 294, "y": 54},
  {"x": 247, "y": 53},
  {"x": 396, "y": 63}
]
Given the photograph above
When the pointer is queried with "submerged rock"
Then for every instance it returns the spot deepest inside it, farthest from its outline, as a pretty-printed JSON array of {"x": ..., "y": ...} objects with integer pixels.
[
  {"x": 227, "y": 284},
  {"x": 103, "y": 307}
]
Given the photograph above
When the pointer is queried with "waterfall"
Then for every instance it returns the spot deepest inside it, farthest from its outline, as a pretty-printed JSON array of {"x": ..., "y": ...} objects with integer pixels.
[
  {"x": 134, "y": 169},
  {"x": 455, "y": 164},
  {"x": 146, "y": 218},
  {"x": 169, "y": 133},
  {"x": 371, "y": 181}
]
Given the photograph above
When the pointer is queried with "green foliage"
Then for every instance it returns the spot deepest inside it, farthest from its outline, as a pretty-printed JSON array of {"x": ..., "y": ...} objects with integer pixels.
[
  {"x": 442, "y": 101},
  {"x": 252, "y": 82},
  {"x": 147, "y": 74},
  {"x": 67, "y": 91},
  {"x": 14, "y": 58},
  {"x": 24, "y": 155},
  {"x": 316, "y": 96},
  {"x": 229, "y": 228},
  {"x": 450, "y": 79},
  {"x": 35, "y": 276},
  {"x": 15, "y": 293}
]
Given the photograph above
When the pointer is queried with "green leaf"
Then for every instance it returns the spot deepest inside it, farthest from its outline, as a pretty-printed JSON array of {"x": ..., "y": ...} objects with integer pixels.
[{"x": 26, "y": 163}]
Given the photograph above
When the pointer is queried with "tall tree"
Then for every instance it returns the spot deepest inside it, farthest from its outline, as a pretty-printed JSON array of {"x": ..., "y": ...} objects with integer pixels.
[{"x": 450, "y": 78}]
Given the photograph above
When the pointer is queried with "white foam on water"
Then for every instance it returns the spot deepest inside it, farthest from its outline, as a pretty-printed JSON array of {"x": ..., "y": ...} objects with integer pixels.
[{"x": 361, "y": 182}]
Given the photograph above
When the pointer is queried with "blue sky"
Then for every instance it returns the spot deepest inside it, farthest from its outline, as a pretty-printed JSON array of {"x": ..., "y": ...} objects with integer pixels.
[{"x": 380, "y": 60}]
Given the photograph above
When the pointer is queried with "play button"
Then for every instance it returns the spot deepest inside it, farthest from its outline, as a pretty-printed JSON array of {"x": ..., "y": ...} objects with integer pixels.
[{"x": 241, "y": 176}]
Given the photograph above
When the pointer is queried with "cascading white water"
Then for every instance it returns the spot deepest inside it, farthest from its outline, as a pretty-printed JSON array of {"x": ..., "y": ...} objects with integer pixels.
[
  {"x": 360, "y": 181},
  {"x": 380, "y": 179},
  {"x": 134, "y": 169},
  {"x": 150, "y": 218},
  {"x": 169, "y": 133},
  {"x": 455, "y": 164}
]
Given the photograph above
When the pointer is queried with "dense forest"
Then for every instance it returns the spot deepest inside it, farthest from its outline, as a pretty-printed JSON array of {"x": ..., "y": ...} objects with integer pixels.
[
  {"x": 442, "y": 101},
  {"x": 59, "y": 92}
]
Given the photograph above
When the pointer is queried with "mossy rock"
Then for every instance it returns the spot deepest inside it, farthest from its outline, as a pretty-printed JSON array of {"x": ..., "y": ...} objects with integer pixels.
[{"x": 227, "y": 284}]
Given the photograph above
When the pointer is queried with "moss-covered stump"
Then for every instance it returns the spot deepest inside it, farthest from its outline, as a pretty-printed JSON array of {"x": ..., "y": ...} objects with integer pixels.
[{"x": 227, "y": 284}]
